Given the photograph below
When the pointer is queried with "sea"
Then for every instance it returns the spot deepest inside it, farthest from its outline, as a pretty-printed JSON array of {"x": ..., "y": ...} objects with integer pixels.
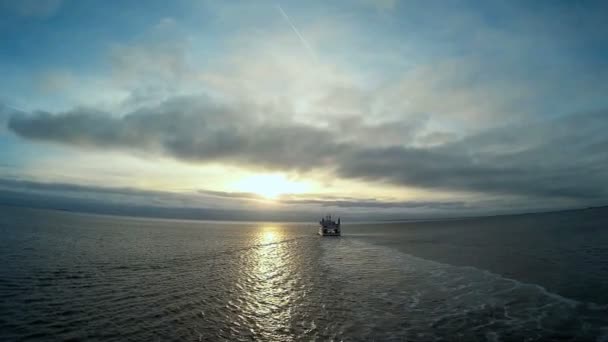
[{"x": 79, "y": 277}]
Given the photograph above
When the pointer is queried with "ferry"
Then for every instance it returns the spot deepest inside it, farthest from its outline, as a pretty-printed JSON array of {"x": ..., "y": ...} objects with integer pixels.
[{"x": 329, "y": 227}]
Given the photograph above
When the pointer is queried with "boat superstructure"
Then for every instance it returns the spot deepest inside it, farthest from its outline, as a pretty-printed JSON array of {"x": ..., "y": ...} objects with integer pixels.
[{"x": 329, "y": 227}]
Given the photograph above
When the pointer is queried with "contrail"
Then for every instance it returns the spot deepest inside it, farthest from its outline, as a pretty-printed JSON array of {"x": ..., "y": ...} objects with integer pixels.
[{"x": 297, "y": 32}]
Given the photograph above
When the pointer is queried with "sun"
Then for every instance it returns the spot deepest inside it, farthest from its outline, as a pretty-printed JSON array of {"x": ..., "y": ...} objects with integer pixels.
[{"x": 270, "y": 186}]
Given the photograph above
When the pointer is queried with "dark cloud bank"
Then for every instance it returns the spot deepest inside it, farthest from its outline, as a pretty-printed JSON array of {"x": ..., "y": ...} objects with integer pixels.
[
  {"x": 203, "y": 204},
  {"x": 559, "y": 158}
]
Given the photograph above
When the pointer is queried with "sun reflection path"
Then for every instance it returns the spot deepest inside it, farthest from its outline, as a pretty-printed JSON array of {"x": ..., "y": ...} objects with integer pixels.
[
  {"x": 267, "y": 286},
  {"x": 269, "y": 234}
]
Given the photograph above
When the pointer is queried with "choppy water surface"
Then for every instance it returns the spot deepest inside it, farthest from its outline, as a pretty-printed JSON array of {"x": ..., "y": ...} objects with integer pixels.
[{"x": 82, "y": 277}]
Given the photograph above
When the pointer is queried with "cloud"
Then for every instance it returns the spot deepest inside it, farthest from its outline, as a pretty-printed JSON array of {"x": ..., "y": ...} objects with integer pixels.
[
  {"x": 188, "y": 128},
  {"x": 434, "y": 98},
  {"x": 150, "y": 62},
  {"x": 55, "y": 81},
  {"x": 554, "y": 158},
  {"x": 134, "y": 196},
  {"x": 137, "y": 201},
  {"x": 6, "y": 112},
  {"x": 379, "y": 204}
]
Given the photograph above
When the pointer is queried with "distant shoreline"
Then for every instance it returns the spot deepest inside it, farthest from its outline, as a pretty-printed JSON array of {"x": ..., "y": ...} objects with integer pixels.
[
  {"x": 495, "y": 215},
  {"x": 159, "y": 216}
]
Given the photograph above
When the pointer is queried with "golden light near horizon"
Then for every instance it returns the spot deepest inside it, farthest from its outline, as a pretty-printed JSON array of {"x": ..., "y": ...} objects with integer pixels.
[
  {"x": 269, "y": 234},
  {"x": 270, "y": 186}
]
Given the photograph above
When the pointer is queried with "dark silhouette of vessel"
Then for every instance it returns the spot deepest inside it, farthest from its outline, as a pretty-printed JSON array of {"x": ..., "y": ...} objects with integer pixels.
[{"x": 329, "y": 227}]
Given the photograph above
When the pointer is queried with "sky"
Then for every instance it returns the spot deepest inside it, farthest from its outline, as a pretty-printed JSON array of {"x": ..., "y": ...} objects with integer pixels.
[{"x": 365, "y": 108}]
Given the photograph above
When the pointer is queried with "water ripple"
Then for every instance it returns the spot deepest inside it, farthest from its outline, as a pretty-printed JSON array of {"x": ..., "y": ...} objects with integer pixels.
[{"x": 110, "y": 279}]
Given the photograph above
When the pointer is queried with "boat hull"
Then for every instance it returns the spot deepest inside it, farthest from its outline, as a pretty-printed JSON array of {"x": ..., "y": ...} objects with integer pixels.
[{"x": 329, "y": 232}]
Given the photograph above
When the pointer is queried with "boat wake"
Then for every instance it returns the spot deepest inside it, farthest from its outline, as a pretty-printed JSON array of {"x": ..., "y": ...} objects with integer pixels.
[{"x": 403, "y": 296}]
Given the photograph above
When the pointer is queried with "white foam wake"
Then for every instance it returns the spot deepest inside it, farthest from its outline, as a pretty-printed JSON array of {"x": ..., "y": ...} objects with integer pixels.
[{"x": 431, "y": 299}]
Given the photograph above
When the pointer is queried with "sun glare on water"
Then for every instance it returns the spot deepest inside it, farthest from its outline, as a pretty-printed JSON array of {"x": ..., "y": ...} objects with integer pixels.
[{"x": 270, "y": 186}]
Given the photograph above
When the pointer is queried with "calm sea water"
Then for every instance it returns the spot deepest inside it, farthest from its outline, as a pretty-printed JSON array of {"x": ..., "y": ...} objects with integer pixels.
[{"x": 71, "y": 276}]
